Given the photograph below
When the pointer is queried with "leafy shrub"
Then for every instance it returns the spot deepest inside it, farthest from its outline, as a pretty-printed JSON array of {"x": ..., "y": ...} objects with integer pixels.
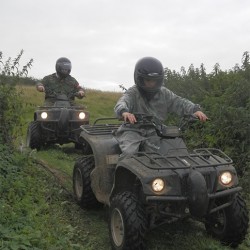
[
  {"x": 10, "y": 101},
  {"x": 31, "y": 207},
  {"x": 225, "y": 98}
]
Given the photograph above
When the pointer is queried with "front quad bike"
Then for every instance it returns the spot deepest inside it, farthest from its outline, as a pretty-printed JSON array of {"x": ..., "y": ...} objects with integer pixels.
[
  {"x": 59, "y": 123},
  {"x": 149, "y": 189}
]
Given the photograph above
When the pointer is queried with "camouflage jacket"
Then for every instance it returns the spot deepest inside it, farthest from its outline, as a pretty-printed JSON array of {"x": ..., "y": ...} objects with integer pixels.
[
  {"x": 162, "y": 103},
  {"x": 53, "y": 86}
]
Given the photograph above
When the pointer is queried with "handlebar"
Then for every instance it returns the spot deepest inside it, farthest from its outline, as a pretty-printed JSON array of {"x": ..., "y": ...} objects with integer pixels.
[
  {"x": 147, "y": 121},
  {"x": 142, "y": 118},
  {"x": 64, "y": 97}
]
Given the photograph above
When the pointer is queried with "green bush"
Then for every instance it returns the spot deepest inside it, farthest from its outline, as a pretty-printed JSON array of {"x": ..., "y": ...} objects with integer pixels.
[
  {"x": 10, "y": 98},
  {"x": 225, "y": 98}
]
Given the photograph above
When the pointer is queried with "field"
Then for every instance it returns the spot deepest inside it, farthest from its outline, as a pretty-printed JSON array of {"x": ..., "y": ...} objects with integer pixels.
[{"x": 64, "y": 225}]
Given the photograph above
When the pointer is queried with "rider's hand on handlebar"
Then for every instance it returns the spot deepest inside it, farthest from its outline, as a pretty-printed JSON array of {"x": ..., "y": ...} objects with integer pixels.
[
  {"x": 40, "y": 88},
  {"x": 129, "y": 117},
  {"x": 80, "y": 94},
  {"x": 201, "y": 116}
]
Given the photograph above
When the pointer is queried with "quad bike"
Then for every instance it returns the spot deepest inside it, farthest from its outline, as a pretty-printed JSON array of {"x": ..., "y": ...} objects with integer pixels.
[
  {"x": 149, "y": 189},
  {"x": 59, "y": 123}
]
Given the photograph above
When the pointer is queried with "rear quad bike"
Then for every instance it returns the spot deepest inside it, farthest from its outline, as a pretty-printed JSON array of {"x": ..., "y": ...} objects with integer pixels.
[
  {"x": 59, "y": 123},
  {"x": 152, "y": 188}
]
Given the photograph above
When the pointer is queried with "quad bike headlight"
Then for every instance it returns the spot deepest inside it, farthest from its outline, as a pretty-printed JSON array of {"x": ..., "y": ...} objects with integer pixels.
[
  {"x": 158, "y": 185},
  {"x": 226, "y": 178},
  {"x": 44, "y": 115},
  {"x": 81, "y": 115}
]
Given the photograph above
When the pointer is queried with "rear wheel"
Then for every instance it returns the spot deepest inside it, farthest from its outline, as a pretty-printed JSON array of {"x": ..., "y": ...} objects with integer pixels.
[
  {"x": 127, "y": 222},
  {"x": 34, "y": 139},
  {"x": 230, "y": 224},
  {"x": 82, "y": 183}
]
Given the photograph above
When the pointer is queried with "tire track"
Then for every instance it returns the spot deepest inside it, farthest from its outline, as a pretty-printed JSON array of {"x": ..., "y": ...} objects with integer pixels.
[{"x": 61, "y": 177}]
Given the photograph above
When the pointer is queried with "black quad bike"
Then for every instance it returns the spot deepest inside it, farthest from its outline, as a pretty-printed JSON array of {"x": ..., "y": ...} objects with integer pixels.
[
  {"x": 152, "y": 188},
  {"x": 59, "y": 123}
]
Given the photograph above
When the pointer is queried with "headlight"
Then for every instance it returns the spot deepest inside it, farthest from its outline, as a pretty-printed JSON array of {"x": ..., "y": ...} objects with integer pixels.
[
  {"x": 226, "y": 178},
  {"x": 82, "y": 115},
  {"x": 44, "y": 115},
  {"x": 158, "y": 185}
]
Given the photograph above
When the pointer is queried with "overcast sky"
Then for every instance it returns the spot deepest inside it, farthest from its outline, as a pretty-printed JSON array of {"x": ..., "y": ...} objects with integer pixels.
[{"x": 105, "y": 38}]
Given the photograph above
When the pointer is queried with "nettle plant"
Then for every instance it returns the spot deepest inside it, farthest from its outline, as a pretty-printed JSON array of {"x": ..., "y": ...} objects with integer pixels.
[{"x": 10, "y": 97}]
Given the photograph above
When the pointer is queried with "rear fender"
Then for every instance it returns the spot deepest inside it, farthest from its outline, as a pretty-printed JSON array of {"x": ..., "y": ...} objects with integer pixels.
[{"x": 106, "y": 151}]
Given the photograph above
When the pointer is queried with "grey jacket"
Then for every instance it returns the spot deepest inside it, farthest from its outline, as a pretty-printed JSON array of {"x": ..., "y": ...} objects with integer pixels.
[{"x": 162, "y": 103}]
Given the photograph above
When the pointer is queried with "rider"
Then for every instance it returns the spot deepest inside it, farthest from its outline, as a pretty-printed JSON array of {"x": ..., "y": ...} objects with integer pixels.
[
  {"x": 148, "y": 96},
  {"x": 60, "y": 82}
]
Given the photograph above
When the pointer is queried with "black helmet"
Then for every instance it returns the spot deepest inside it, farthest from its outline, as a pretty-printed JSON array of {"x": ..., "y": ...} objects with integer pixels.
[
  {"x": 149, "y": 68},
  {"x": 63, "y": 67}
]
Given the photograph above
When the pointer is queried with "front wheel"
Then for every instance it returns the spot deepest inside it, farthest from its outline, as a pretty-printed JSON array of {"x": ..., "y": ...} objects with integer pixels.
[
  {"x": 127, "y": 222},
  {"x": 230, "y": 224},
  {"x": 34, "y": 138}
]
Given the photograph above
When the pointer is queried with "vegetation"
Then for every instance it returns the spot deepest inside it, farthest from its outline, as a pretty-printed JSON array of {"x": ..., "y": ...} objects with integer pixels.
[
  {"x": 225, "y": 98},
  {"x": 38, "y": 212},
  {"x": 10, "y": 101}
]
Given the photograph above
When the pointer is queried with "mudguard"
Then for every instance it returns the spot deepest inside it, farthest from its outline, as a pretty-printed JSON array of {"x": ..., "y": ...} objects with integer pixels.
[
  {"x": 197, "y": 194},
  {"x": 63, "y": 121}
]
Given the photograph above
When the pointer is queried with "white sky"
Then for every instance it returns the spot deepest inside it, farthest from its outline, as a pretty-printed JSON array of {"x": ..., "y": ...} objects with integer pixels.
[{"x": 105, "y": 38}]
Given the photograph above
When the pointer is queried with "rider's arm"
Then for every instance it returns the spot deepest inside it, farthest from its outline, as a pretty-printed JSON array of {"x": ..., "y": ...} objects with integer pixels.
[
  {"x": 182, "y": 106},
  {"x": 124, "y": 104},
  {"x": 79, "y": 90}
]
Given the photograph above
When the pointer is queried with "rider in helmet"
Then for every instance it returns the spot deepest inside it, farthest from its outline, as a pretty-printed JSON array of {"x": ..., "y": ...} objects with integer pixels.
[
  {"x": 149, "y": 76},
  {"x": 63, "y": 67},
  {"x": 60, "y": 82},
  {"x": 149, "y": 96}
]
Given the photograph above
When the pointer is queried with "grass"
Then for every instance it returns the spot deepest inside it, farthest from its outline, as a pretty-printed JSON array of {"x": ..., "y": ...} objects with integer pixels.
[{"x": 37, "y": 213}]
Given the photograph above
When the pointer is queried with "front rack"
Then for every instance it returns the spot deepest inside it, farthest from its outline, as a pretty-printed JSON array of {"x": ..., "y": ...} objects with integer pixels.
[{"x": 207, "y": 157}]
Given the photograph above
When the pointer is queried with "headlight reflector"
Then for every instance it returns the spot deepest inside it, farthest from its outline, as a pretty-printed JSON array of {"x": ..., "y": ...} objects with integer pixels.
[
  {"x": 226, "y": 178},
  {"x": 81, "y": 115},
  {"x": 158, "y": 185},
  {"x": 44, "y": 115}
]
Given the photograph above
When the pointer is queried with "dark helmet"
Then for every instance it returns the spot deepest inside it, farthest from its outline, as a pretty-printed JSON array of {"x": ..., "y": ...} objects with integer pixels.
[
  {"x": 63, "y": 67},
  {"x": 149, "y": 68}
]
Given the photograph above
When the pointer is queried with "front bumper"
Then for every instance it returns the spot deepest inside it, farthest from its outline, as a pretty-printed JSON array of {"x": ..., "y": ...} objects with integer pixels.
[
  {"x": 183, "y": 198},
  {"x": 182, "y": 202}
]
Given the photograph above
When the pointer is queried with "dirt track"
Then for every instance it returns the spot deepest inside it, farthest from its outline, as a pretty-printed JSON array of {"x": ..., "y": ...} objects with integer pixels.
[{"x": 61, "y": 177}]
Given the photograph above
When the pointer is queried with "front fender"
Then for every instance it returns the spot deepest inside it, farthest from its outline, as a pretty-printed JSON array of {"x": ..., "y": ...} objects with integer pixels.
[
  {"x": 130, "y": 171},
  {"x": 124, "y": 180}
]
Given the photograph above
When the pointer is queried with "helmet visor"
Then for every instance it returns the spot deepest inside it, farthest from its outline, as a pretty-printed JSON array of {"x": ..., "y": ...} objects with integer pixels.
[
  {"x": 151, "y": 76},
  {"x": 150, "y": 82},
  {"x": 64, "y": 68}
]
